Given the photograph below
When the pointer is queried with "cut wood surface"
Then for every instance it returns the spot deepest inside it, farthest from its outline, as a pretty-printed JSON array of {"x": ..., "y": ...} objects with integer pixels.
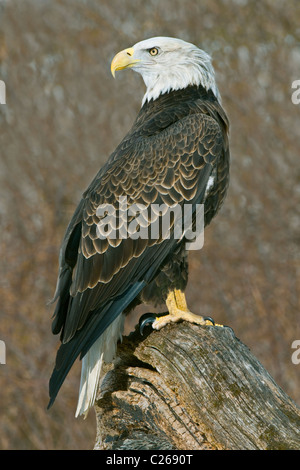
[{"x": 189, "y": 387}]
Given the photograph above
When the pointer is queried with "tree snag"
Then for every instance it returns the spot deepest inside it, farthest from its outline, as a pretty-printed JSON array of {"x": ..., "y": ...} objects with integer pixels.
[{"x": 189, "y": 387}]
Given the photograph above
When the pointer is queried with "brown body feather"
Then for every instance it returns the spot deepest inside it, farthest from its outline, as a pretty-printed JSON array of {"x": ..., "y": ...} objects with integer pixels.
[{"x": 176, "y": 143}]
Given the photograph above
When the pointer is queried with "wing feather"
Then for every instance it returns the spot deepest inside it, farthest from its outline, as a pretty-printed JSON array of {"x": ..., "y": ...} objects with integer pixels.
[{"x": 191, "y": 145}]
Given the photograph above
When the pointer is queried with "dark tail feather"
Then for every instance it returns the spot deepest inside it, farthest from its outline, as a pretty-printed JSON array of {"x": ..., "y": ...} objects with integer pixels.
[{"x": 85, "y": 338}]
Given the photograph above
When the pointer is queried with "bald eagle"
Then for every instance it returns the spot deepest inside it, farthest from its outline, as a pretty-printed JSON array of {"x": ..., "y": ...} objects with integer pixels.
[{"x": 176, "y": 152}]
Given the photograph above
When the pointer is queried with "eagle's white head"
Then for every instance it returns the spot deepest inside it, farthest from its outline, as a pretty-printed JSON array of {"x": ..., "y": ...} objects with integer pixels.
[{"x": 167, "y": 64}]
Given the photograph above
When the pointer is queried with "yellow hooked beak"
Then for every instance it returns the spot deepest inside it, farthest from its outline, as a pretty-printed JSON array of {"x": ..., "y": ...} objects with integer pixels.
[{"x": 123, "y": 60}]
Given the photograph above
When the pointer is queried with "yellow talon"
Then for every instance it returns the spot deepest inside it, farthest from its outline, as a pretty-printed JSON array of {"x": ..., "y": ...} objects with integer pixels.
[{"x": 178, "y": 310}]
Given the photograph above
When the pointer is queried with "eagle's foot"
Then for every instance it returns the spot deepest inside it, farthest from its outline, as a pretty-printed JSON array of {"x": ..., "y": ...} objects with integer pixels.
[
  {"x": 181, "y": 315},
  {"x": 177, "y": 311},
  {"x": 158, "y": 321},
  {"x": 177, "y": 307}
]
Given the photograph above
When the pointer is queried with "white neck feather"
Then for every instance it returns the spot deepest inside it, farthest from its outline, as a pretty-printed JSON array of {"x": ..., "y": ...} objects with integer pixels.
[{"x": 198, "y": 71}]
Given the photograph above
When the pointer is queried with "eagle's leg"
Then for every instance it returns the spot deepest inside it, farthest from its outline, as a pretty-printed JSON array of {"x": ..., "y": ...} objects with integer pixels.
[{"x": 178, "y": 310}]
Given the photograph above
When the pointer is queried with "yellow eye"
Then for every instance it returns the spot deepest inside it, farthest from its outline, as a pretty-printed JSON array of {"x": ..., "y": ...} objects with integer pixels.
[{"x": 153, "y": 51}]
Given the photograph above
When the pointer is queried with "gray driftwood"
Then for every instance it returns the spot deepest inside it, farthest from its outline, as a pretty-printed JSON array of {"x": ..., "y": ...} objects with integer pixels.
[{"x": 188, "y": 387}]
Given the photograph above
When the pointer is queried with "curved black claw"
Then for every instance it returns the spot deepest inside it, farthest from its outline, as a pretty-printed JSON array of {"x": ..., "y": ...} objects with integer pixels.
[
  {"x": 209, "y": 319},
  {"x": 148, "y": 319}
]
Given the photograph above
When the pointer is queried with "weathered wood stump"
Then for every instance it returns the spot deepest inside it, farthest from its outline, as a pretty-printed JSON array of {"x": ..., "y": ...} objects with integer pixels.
[{"x": 188, "y": 387}]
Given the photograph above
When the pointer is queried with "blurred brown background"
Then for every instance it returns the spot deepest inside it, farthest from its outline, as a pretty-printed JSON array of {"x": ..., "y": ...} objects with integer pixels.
[{"x": 63, "y": 117}]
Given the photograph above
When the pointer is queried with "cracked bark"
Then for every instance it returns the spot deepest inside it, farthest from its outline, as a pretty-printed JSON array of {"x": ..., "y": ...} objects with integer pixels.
[{"x": 188, "y": 387}]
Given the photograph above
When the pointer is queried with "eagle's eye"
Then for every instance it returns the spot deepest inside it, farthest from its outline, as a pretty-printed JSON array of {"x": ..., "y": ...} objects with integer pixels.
[{"x": 153, "y": 51}]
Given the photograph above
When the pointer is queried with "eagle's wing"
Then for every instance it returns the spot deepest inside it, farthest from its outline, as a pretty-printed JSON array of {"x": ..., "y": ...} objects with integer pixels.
[{"x": 99, "y": 278}]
